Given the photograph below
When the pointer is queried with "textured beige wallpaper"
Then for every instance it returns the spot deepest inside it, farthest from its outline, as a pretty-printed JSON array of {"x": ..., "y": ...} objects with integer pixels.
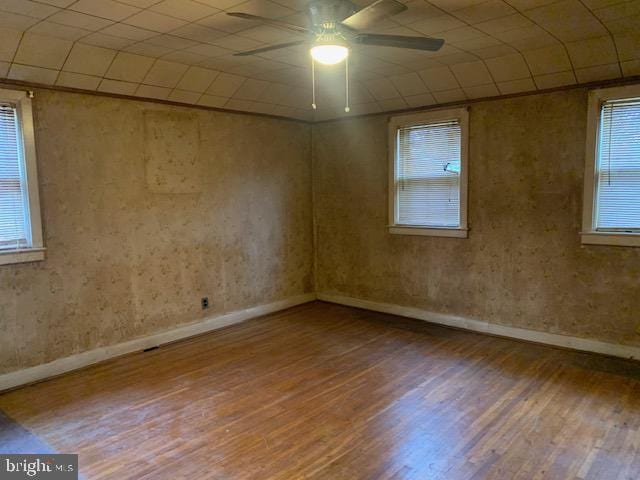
[
  {"x": 522, "y": 265},
  {"x": 147, "y": 208}
]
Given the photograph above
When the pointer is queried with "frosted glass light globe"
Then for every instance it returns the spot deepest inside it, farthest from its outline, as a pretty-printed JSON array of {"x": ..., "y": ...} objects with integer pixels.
[{"x": 329, "y": 54}]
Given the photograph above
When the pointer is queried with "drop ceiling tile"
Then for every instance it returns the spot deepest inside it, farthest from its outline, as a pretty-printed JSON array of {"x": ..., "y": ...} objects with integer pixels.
[
  {"x": 381, "y": 89},
  {"x": 504, "y": 24},
  {"x": 567, "y": 19},
  {"x": 534, "y": 43},
  {"x": 391, "y": 104},
  {"x": 251, "y": 90},
  {"x": 460, "y": 34},
  {"x": 170, "y": 41},
  {"x": 198, "y": 33},
  {"x": 28, "y": 8},
  {"x": 157, "y": 22},
  {"x": 139, "y": 3},
  {"x": 598, "y": 72},
  {"x": 548, "y": 60},
  {"x": 422, "y": 100},
  {"x": 147, "y": 50},
  {"x": 165, "y": 74},
  {"x": 274, "y": 93},
  {"x": 15, "y": 21},
  {"x": 222, "y": 21},
  {"x": 27, "y": 73},
  {"x": 225, "y": 85},
  {"x": 434, "y": 25},
  {"x": 439, "y": 79},
  {"x": 104, "y": 8},
  {"x": 58, "y": 3},
  {"x": 79, "y": 20},
  {"x": 106, "y": 41},
  {"x": 495, "y": 51},
  {"x": 78, "y": 80},
  {"x": 448, "y": 96},
  {"x": 212, "y": 101},
  {"x": 516, "y": 86},
  {"x": 221, "y": 4},
  {"x": 237, "y": 43},
  {"x": 628, "y": 46},
  {"x": 618, "y": 10},
  {"x": 184, "y": 96},
  {"x": 197, "y": 79},
  {"x": 117, "y": 86},
  {"x": 187, "y": 58},
  {"x": 624, "y": 25},
  {"x": 42, "y": 51},
  {"x": 477, "y": 43},
  {"x": 484, "y": 11},
  {"x": 267, "y": 34},
  {"x": 264, "y": 8},
  {"x": 235, "y": 104},
  {"x": 553, "y": 80},
  {"x": 59, "y": 31},
  {"x": 4, "y": 69},
  {"x": 89, "y": 60},
  {"x": 129, "y": 32},
  {"x": 509, "y": 67},
  {"x": 129, "y": 67},
  {"x": 149, "y": 91},
  {"x": 453, "y": 5},
  {"x": 480, "y": 91},
  {"x": 417, "y": 10},
  {"x": 631, "y": 68},
  {"x": 471, "y": 74},
  {"x": 9, "y": 41},
  {"x": 184, "y": 9},
  {"x": 520, "y": 33},
  {"x": 409, "y": 84},
  {"x": 529, "y": 4},
  {"x": 595, "y": 51},
  {"x": 208, "y": 50}
]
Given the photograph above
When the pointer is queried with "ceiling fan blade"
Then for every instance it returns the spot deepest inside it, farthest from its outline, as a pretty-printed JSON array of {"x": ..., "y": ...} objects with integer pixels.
[
  {"x": 270, "y": 21},
  {"x": 400, "y": 41},
  {"x": 373, "y": 13},
  {"x": 269, "y": 48}
]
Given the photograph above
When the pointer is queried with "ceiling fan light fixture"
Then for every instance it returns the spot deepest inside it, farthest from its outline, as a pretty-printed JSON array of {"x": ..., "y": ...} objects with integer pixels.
[{"x": 329, "y": 54}]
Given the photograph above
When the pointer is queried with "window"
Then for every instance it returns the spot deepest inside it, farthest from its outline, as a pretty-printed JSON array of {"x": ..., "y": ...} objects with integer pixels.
[
  {"x": 612, "y": 173},
  {"x": 428, "y": 173},
  {"x": 20, "y": 228}
]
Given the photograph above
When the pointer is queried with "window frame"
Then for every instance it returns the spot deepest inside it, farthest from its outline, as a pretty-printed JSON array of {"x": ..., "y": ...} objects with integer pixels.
[
  {"x": 424, "y": 118},
  {"x": 589, "y": 234},
  {"x": 35, "y": 251}
]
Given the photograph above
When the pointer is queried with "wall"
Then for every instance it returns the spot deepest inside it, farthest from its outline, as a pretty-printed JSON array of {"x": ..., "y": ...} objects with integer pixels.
[
  {"x": 147, "y": 208},
  {"x": 522, "y": 265}
]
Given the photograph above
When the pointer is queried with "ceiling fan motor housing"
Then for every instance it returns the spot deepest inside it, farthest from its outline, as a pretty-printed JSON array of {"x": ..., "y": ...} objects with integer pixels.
[{"x": 329, "y": 13}]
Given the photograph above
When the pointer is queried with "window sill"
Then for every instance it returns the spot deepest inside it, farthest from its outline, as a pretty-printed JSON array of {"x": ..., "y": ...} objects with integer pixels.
[
  {"x": 429, "y": 232},
  {"x": 8, "y": 257},
  {"x": 611, "y": 238}
]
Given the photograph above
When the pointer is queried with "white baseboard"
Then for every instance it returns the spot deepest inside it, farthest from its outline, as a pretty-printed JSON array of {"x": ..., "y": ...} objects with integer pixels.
[
  {"x": 74, "y": 362},
  {"x": 575, "y": 343}
]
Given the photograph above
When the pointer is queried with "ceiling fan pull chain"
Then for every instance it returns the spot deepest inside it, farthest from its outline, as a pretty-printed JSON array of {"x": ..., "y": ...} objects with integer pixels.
[
  {"x": 346, "y": 78},
  {"x": 313, "y": 83}
]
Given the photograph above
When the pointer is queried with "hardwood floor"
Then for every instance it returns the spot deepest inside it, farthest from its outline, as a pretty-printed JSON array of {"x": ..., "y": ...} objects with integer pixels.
[{"x": 328, "y": 392}]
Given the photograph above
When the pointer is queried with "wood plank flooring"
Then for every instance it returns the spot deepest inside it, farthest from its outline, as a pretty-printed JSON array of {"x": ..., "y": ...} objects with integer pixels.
[{"x": 322, "y": 391}]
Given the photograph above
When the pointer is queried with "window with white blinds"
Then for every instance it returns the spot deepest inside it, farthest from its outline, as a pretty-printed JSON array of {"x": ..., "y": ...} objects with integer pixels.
[
  {"x": 13, "y": 194},
  {"x": 20, "y": 227},
  {"x": 617, "y": 175},
  {"x": 428, "y": 178},
  {"x": 429, "y": 172}
]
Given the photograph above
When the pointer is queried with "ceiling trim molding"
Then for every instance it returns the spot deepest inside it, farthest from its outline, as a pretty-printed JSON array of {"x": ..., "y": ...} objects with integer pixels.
[
  {"x": 598, "y": 84},
  {"x": 16, "y": 84}
]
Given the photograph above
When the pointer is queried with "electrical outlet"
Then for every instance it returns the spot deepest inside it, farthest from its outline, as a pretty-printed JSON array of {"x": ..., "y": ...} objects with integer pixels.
[{"x": 205, "y": 303}]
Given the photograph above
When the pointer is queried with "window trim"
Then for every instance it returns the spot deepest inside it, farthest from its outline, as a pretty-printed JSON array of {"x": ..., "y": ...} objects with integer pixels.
[
  {"x": 590, "y": 235},
  {"x": 432, "y": 116},
  {"x": 36, "y": 250}
]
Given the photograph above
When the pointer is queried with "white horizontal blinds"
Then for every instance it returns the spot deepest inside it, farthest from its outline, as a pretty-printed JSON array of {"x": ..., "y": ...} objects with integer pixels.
[
  {"x": 12, "y": 192},
  {"x": 618, "y": 167},
  {"x": 427, "y": 176}
]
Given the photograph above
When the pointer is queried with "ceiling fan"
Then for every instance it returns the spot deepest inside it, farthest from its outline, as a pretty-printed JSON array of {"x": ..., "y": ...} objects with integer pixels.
[{"x": 337, "y": 24}]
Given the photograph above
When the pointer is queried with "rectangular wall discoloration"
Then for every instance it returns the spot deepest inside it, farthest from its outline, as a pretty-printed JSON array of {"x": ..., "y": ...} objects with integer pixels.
[
  {"x": 125, "y": 260},
  {"x": 522, "y": 265}
]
